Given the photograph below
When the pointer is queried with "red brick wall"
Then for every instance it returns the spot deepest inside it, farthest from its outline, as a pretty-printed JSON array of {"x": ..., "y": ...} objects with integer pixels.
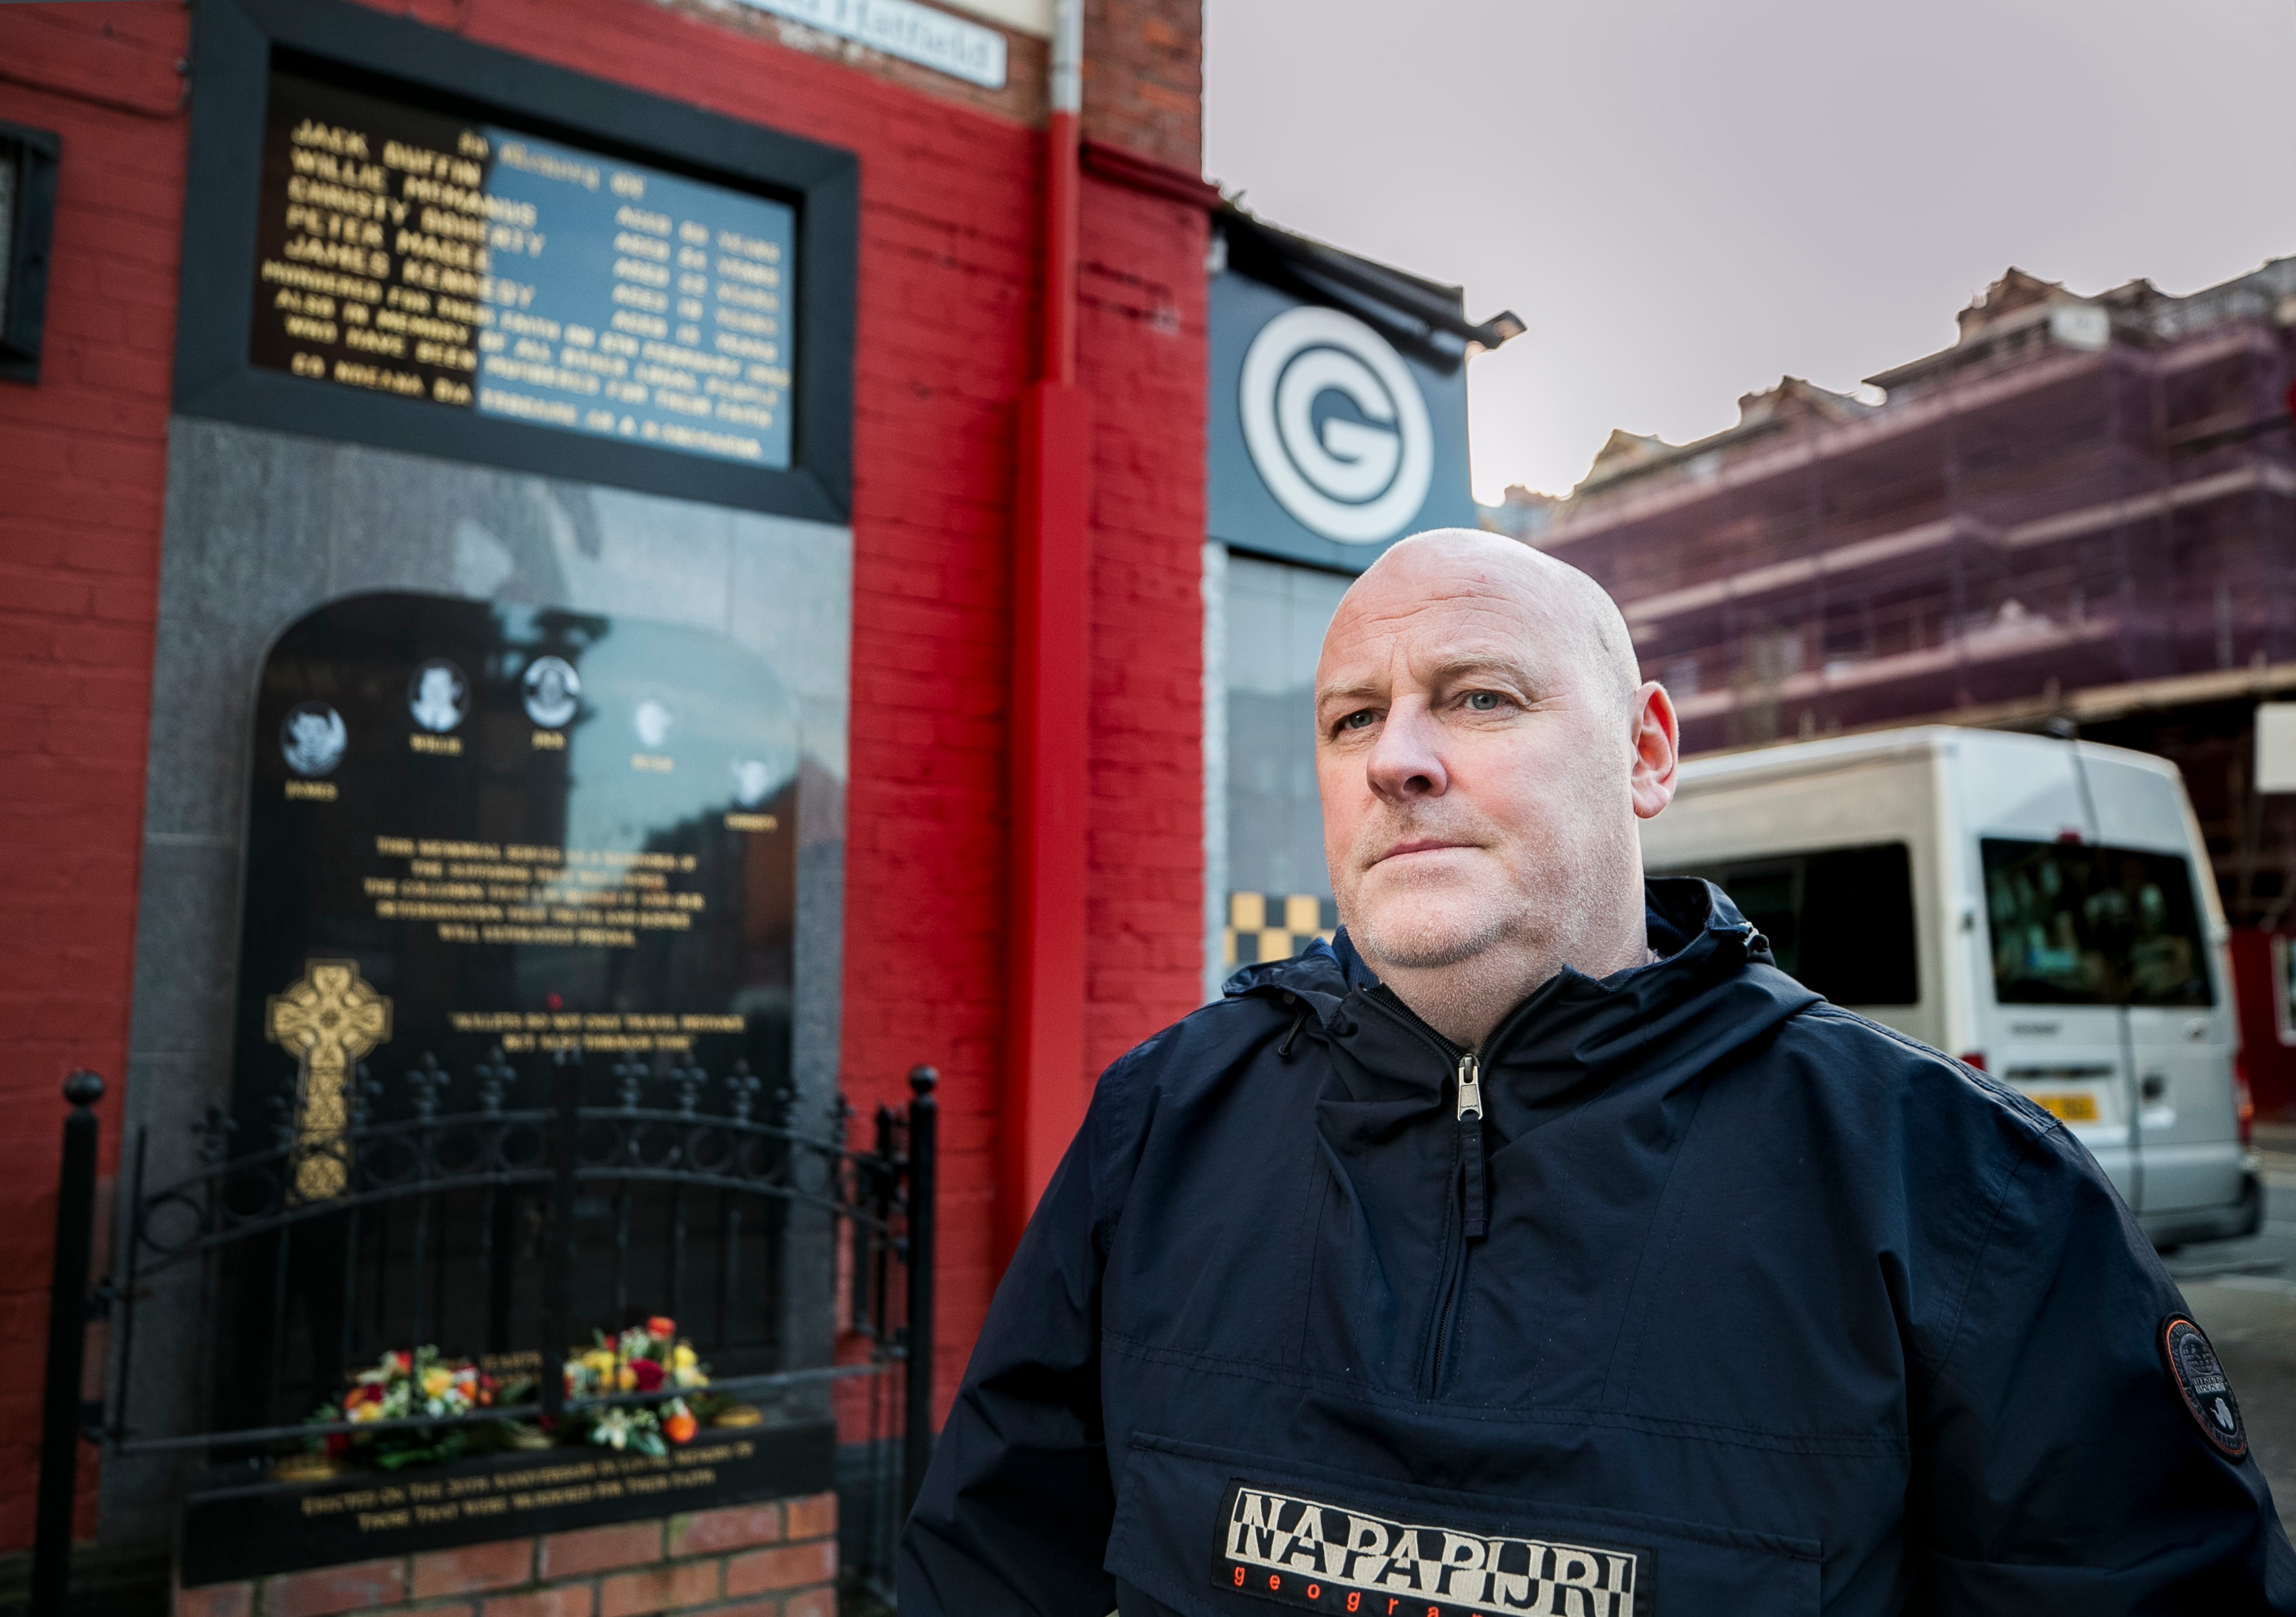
[
  {"x": 947, "y": 286},
  {"x": 776, "y": 1559},
  {"x": 81, "y": 471},
  {"x": 1143, "y": 78},
  {"x": 1141, "y": 357}
]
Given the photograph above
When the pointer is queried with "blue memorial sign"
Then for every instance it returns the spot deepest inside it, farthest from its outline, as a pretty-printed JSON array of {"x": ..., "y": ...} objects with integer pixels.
[
  {"x": 1327, "y": 442},
  {"x": 404, "y": 250}
]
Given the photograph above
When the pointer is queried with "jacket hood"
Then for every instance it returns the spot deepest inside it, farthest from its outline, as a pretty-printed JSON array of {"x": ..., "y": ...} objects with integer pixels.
[{"x": 1715, "y": 990}]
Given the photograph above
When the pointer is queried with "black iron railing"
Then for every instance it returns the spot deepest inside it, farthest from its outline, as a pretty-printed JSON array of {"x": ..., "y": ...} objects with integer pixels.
[{"x": 505, "y": 1212}]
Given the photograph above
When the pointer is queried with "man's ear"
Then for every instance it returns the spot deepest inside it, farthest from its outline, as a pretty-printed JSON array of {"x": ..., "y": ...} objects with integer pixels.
[{"x": 1657, "y": 736}]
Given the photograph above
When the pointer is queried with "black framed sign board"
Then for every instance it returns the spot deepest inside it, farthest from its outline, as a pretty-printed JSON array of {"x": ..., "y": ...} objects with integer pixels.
[
  {"x": 432, "y": 257},
  {"x": 397, "y": 237}
]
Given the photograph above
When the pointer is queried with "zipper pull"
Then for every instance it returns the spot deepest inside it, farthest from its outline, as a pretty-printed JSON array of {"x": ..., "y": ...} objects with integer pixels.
[{"x": 1471, "y": 1149}]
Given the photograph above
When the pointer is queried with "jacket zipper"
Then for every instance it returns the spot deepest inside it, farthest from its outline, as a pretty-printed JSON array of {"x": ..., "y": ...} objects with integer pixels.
[
  {"x": 1474, "y": 1187},
  {"x": 1475, "y": 1218}
]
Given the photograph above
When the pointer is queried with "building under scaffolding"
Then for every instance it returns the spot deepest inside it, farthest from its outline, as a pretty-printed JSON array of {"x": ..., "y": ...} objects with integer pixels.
[{"x": 2083, "y": 512}]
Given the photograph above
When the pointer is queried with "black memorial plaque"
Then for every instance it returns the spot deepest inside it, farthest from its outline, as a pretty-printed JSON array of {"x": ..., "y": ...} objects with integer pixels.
[
  {"x": 524, "y": 829},
  {"x": 240, "y": 1532},
  {"x": 483, "y": 835},
  {"x": 410, "y": 250}
]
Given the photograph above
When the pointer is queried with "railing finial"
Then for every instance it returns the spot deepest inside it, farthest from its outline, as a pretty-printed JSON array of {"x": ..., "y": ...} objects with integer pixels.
[
  {"x": 429, "y": 1081},
  {"x": 741, "y": 1086}
]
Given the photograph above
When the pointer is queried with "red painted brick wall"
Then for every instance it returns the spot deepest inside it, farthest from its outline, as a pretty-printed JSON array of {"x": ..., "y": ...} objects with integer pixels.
[
  {"x": 946, "y": 295},
  {"x": 82, "y": 466},
  {"x": 776, "y": 1559},
  {"x": 1141, "y": 356}
]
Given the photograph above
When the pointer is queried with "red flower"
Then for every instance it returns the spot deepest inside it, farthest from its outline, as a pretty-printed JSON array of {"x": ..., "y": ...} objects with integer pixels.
[
  {"x": 405, "y": 1362},
  {"x": 338, "y": 1443},
  {"x": 680, "y": 1428},
  {"x": 648, "y": 1372},
  {"x": 366, "y": 1393},
  {"x": 662, "y": 1327}
]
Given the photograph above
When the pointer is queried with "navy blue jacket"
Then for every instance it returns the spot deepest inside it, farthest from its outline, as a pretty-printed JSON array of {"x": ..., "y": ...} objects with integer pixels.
[{"x": 1774, "y": 1311}]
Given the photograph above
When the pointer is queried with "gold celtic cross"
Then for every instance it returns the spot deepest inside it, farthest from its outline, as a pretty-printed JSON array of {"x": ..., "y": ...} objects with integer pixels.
[{"x": 327, "y": 1022}]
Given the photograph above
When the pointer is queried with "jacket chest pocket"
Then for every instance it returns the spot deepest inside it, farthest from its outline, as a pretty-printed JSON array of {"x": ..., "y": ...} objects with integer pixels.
[{"x": 1205, "y": 1530}]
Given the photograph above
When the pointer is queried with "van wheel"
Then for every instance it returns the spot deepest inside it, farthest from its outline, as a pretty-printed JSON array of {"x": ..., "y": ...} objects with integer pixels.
[{"x": 2251, "y": 1204}]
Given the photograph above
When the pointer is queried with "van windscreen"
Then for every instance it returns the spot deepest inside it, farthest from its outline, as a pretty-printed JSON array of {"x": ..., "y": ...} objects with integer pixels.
[
  {"x": 1839, "y": 920},
  {"x": 2079, "y": 925}
]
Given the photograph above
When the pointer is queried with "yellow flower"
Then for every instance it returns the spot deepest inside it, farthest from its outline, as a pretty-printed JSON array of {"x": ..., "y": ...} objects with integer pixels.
[
  {"x": 364, "y": 1412},
  {"x": 686, "y": 1358},
  {"x": 626, "y": 1379},
  {"x": 601, "y": 1360},
  {"x": 436, "y": 1382}
]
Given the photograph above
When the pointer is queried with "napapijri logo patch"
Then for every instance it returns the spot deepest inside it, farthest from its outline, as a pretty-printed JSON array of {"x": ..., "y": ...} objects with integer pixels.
[
  {"x": 1285, "y": 1547},
  {"x": 2207, "y": 1392}
]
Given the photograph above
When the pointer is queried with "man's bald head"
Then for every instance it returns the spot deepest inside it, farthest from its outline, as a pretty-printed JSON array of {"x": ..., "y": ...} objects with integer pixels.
[
  {"x": 1577, "y": 613},
  {"x": 1484, "y": 746}
]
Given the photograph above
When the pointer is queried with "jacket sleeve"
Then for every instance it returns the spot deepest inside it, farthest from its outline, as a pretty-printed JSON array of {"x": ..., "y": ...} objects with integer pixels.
[
  {"x": 1016, "y": 1508},
  {"x": 2055, "y": 1469}
]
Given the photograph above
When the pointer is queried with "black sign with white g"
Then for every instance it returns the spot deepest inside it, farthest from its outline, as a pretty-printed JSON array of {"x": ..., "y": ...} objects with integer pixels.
[
  {"x": 1328, "y": 443},
  {"x": 1354, "y": 478}
]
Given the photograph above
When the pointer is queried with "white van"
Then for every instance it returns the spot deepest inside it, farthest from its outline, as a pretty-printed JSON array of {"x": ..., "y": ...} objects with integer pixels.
[{"x": 2044, "y": 909}]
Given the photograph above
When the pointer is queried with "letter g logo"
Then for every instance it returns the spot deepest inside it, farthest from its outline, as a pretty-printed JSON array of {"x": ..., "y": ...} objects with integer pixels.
[{"x": 1356, "y": 481}]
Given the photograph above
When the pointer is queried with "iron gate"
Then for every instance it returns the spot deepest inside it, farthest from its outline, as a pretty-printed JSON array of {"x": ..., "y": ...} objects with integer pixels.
[{"x": 500, "y": 1211}]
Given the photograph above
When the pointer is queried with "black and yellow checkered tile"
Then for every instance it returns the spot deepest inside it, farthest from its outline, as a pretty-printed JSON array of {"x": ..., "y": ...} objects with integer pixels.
[{"x": 1274, "y": 926}]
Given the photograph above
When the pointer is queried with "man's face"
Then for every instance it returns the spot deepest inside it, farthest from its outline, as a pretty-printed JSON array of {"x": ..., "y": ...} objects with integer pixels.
[{"x": 1475, "y": 766}]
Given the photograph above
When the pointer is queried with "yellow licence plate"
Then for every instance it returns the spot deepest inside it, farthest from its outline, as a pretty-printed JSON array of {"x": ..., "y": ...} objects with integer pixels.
[{"x": 2068, "y": 1108}]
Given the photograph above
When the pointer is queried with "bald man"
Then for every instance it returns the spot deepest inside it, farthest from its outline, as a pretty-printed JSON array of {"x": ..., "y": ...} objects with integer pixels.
[{"x": 1539, "y": 1247}]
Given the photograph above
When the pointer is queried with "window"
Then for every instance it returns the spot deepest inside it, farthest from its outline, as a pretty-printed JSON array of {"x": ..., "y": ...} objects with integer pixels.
[
  {"x": 2076, "y": 925},
  {"x": 28, "y": 205},
  {"x": 1278, "y": 889},
  {"x": 1840, "y": 921}
]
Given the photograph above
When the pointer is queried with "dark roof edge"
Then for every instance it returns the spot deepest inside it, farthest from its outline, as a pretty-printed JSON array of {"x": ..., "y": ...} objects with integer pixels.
[
  {"x": 1172, "y": 184},
  {"x": 1420, "y": 302},
  {"x": 1426, "y": 314}
]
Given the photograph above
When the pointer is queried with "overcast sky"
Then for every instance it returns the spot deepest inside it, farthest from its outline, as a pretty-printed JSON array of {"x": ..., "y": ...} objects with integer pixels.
[{"x": 1685, "y": 199}]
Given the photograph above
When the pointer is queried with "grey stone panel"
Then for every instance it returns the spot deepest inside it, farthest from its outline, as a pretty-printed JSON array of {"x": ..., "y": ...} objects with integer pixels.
[
  {"x": 246, "y": 550},
  {"x": 187, "y": 937},
  {"x": 790, "y": 601}
]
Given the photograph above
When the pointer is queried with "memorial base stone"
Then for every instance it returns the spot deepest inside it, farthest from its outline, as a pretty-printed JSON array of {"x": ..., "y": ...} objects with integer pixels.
[{"x": 769, "y": 1558}]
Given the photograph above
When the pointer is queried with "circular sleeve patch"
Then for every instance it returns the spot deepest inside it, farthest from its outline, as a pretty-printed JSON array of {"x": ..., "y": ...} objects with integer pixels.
[{"x": 2202, "y": 1383}]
